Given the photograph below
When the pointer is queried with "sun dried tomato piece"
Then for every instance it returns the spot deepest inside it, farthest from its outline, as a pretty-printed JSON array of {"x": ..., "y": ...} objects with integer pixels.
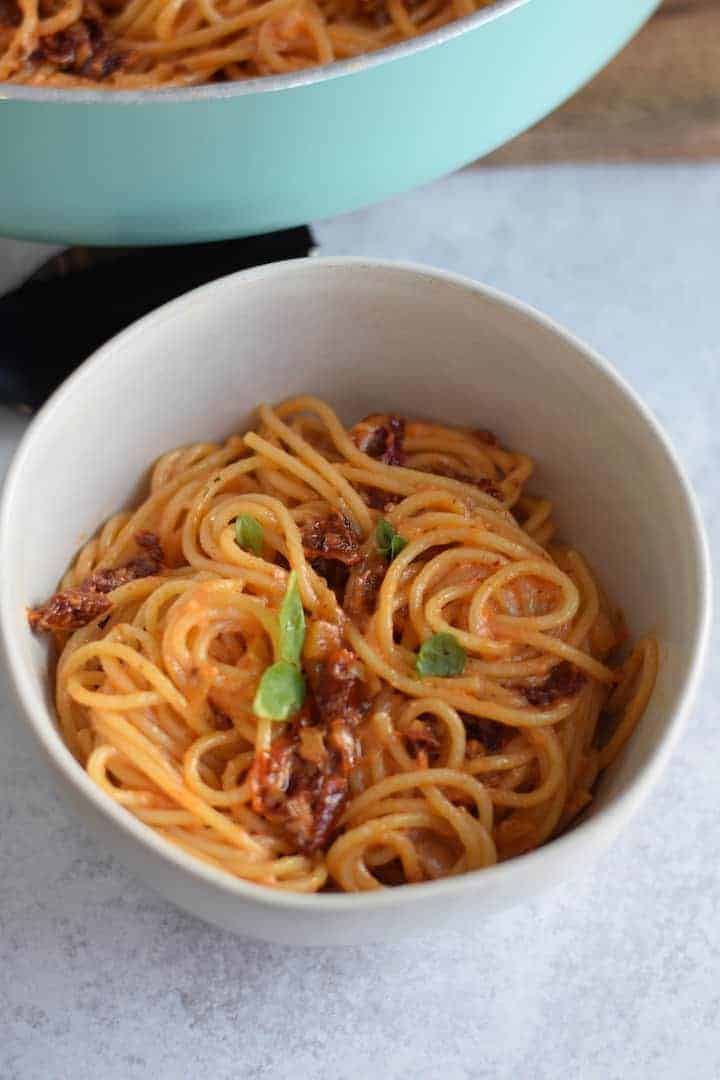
[
  {"x": 70, "y": 609},
  {"x": 363, "y": 587},
  {"x": 490, "y": 733},
  {"x": 85, "y": 48},
  {"x": 381, "y": 500},
  {"x": 564, "y": 681},
  {"x": 146, "y": 565},
  {"x": 381, "y": 436},
  {"x": 301, "y": 782},
  {"x": 332, "y": 537}
]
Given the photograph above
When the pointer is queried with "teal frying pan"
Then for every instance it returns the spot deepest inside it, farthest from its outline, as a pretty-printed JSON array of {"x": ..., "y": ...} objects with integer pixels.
[{"x": 233, "y": 159}]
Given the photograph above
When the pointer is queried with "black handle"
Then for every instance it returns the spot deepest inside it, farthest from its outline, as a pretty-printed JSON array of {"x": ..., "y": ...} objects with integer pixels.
[{"x": 63, "y": 313}]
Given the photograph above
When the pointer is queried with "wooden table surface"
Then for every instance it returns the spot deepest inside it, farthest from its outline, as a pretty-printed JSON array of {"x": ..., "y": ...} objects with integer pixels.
[{"x": 659, "y": 99}]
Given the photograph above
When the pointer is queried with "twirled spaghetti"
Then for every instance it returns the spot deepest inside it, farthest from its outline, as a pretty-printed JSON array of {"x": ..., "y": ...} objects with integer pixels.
[
  {"x": 147, "y": 44},
  {"x": 461, "y": 695}
]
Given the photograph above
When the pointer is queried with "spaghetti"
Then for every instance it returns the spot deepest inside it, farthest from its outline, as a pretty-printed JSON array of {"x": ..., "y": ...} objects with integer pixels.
[
  {"x": 149, "y": 44},
  {"x": 326, "y": 658}
]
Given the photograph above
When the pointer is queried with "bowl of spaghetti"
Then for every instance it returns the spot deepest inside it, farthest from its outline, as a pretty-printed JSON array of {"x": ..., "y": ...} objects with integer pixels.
[
  {"x": 157, "y": 121},
  {"x": 340, "y": 601}
]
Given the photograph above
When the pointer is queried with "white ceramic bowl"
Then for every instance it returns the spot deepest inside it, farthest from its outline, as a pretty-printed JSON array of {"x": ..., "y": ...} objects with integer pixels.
[{"x": 366, "y": 336}]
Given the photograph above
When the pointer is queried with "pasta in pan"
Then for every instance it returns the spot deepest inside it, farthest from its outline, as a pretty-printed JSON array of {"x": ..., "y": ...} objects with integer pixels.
[
  {"x": 149, "y": 44},
  {"x": 320, "y": 657}
]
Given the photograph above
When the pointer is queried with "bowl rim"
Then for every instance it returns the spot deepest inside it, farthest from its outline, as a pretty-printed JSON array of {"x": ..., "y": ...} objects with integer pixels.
[
  {"x": 264, "y": 83},
  {"x": 585, "y": 834}
]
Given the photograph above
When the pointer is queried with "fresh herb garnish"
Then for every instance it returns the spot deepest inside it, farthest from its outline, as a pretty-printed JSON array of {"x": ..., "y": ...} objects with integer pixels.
[
  {"x": 292, "y": 622},
  {"x": 441, "y": 655},
  {"x": 389, "y": 543},
  {"x": 281, "y": 690},
  {"x": 280, "y": 693},
  {"x": 249, "y": 533}
]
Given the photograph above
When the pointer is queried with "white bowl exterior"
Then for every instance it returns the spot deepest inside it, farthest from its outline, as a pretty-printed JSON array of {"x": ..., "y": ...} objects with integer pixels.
[{"x": 366, "y": 337}]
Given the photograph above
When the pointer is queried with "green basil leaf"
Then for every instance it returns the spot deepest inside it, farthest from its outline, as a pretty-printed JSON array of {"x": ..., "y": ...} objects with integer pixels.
[
  {"x": 441, "y": 655},
  {"x": 249, "y": 534},
  {"x": 397, "y": 543},
  {"x": 292, "y": 622},
  {"x": 389, "y": 543},
  {"x": 280, "y": 693},
  {"x": 384, "y": 533}
]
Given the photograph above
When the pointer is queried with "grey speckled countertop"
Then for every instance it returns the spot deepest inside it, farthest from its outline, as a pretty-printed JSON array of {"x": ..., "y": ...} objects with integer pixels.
[{"x": 618, "y": 978}]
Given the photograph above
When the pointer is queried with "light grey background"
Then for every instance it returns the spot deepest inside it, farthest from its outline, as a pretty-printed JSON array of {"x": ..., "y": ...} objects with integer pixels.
[{"x": 616, "y": 978}]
